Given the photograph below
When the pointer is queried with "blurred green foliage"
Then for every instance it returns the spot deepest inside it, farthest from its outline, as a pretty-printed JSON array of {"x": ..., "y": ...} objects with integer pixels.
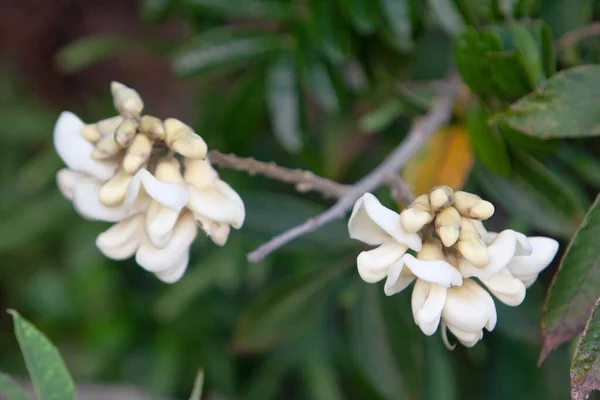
[{"x": 328, "y": 86}]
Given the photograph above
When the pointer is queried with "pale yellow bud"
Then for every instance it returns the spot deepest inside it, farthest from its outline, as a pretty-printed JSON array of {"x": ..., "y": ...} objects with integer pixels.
[
  {"x": 183, "y": 140},
  {"x": 126, "y": 132},
  {"x": 199, "y": 173},
  {"x": 431, "y": 250},
  {"x": 105, "y": 148},
  {"x": 153, "y": 127},
  {"x": 414, "y": 218},
  {"x": 474, "y": 250},
  {"x": 423, "y": 202},
  {"x": 441, "y": 197},
  {"x": 451, "y": 257},
  {"x": 473, "y": 206},
  {"x": 467, "y": 229},
  {"x": 113, "y": 192},
  {"x": 126, "y": 100},
  {"x": 91, "y": 133},
  {"x": 168, "y": 170},
  {"x": 447, "y": 226},
  {"x": 137, "y": 154},
  {"x": 108, "y": 126}
]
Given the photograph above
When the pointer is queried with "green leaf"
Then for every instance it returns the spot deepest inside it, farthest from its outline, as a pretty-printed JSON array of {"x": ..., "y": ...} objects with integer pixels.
[
  {"x": 198, "y": 386},
  {"x": 87, "y": 51},
  {"x": 585, "y": 369},
  {"x": 524, "y": 201},
  {"x": 270, "y": 9},
  {"x": 381, "y": 117},
  {"x": 320, "y": 375},
  {"x": 532, "y": 144},
  {"x": 562, "y": 107},
  {"x": 321, "y": 85},
  {"x": 223, "y": 49},
  {"x": 361, "y": 14},
  {"x": 284, "y": 310},
  {"x": 508, "y": 73},
  {"x": 329, "y": 30},
  {"x": 548, "y": 184},
  {"x": 526, "y": 8},
  {"x": 371, "y": 344},
  {"x": 447, "y": 16},
  {"x": 283, "y": 103},
  {"x": 11, "y": 389},
  {"x": 576, "y": 285},
  {"x": 585, "y": 165},
  {"x": 440, "y": 372},
  {"x": 530, "y": 52},
  {"x": 397, "y": 14},
  {"x": 470, "y": 52},
  {"x": 154, "y": 11},
  {"x": 566, "y": 15},
  {"x": 46, "y": 367},
  {"x": 486, "y": 141}
]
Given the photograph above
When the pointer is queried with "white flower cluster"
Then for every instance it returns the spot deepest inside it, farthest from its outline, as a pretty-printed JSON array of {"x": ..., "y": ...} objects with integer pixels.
[
  {"x": 452, "y": 248},
  {"x": 128, "y": 169}
]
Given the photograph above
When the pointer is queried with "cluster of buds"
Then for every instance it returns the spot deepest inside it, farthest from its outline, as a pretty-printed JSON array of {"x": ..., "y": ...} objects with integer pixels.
[
  {"x": 151, "y": 177},
  {"x": 454, "y": 217},
  {"x": 440, "y": 243}
]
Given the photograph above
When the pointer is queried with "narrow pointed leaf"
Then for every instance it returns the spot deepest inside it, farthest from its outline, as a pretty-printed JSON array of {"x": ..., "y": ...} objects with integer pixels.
[
  {"x": 198, "y": 386},
  {"x": 563, "y": 107},
  {"x": 585, "y": 367},
  {"x": 271, "y": 9},
  {"x": 397, "y": 14},
  {"x": 576, "y": 285},
  {"x": 48, "y": 372},
  {"x": 447, "y": 16},
  {"x": 11, "y": 389}
]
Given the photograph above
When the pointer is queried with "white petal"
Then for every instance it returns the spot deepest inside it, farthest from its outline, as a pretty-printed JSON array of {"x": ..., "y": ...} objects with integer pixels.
[
  {"x": 175, "y": 273},
  {"x": 434, "y": 271},
  {"x": 121, "y": 240},
  {"x": 467, "y": 338},
  {"x": 75, "y": 151},
  {"x": 372, "y": 223},
  {"x": 427, "y": 302},
  {"x": 502, "y": 249},
  {"x": 219, "y": 234},
  {"x": 160, "y": 221},
  {"x": 66, "y": 179},
  {"x": 465, "y": 309},
  {"x": 486, "y": 299},
  {"x": 506, "y": 288},
  {"x": 169, "y": 194},
  {"x": 528, "y": 267},
  {"x": 218, "y": 202},
  {"x": 373, "y": 265},
  {"x": 86, "y": 200},
  {"x": 398, "y": 278},
  {"x": 154, "y": 259}
]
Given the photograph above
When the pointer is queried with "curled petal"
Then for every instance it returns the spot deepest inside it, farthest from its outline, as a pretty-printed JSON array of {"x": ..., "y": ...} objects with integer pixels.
[
  {"x": 218, "y": 232},
  {"x": 121, "y": 240},
  {"x": 508, "y": 289},
  {"x": 155, "y": 260},
  {"x": 505, "y": 246},
  {"x": 467, "y": 338},
  {"x": 217, "y": 202},
  {"x": 175, "y": 273},
  {"x": 160, "y": 222},
  {"x": 433, "y": 271},
  {"x": 527, "y": 268},
  {"x": 86, "y": 200},
  {"x": 427, "y": 302},
  {"x": 66, "y": 180},
  {"x": 372, "y": 223},
  {"x": 169, "y": 194},
  {"x": 468, "y": 309},
  {"x": 75, "y": 151},
  {"x": 373, "y": 265}
]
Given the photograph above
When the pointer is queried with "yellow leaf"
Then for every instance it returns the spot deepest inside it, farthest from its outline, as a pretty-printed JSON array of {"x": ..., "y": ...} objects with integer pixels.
[{"x": 446, "y": 159}]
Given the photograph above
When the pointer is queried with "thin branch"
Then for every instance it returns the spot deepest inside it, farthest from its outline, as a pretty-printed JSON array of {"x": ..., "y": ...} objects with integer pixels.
[
  {"x": 305, "y": 181},
  {"x": 419, "y": 134},
  {"x": 585, "y": 32}
]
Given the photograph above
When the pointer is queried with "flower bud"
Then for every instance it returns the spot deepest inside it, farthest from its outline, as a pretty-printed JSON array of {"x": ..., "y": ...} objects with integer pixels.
[
  {"x": 152, "y": 127},
  {"x": 91, "y": 133},
  {"x": 108, "y": 126},
  {"x": 126, "y": 132},
  {"x": 431, "y": 250},
  {"x": 447, "y": 225},
  {"x": 126, "y": 100},
  {"x": 183, "y": 140},
  {"x": 417, "y": 215},
  {"x": 137, "y": 154},
  {"x": 474, "y": 250},
  {"x": 199, "y": 173},
  {"x": 168, "y": 170},
  {"x": 467, "y": 229},
  {"x": 441, "y": 197},
  {"x": 113, "y": 192},
  {"x": 105, "y": 148},
  {"x": 473, "y": 206}
]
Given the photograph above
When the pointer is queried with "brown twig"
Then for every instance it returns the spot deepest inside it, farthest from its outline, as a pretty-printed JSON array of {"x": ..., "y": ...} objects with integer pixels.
[
  {"x": 585, "y": 32},
  {"x": 421, "y": 131}
]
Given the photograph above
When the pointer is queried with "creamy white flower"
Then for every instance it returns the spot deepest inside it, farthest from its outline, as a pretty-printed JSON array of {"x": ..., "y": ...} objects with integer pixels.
[
  {"x": 212, "y": 201},
  {"x": 376, "y": 225},
  {"x": 468, "y": 309}
]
